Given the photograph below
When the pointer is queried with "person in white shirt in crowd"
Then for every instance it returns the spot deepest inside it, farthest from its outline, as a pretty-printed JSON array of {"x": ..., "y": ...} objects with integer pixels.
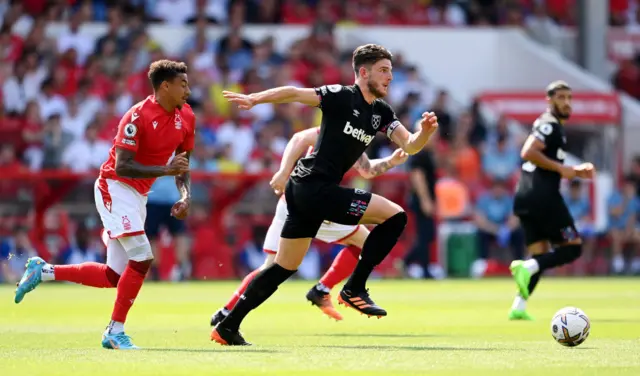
[
  {"x": 93, "y": 151},
  {"x": 74, "y": 38},
  {"x": 50, "y": 102}
]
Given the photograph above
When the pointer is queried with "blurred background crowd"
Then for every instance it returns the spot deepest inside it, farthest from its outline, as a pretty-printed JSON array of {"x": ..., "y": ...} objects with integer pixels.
[{"x": 63, "y": 96}]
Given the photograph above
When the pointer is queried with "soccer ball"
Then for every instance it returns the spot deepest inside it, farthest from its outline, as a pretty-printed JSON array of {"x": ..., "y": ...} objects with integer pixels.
[{"x": 570, "y": 326}]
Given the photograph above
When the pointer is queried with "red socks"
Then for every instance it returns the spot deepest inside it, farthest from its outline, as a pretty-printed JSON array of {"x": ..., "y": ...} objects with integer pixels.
[
  {"x": 342, "y": 266},
  {"x": 128, "y": 288},
  {"x": 88, "y": 274},
  {"x": 243, "y": 286}
]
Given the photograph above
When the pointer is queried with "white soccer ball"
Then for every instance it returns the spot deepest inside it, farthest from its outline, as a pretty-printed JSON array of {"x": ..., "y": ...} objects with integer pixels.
[{"x": 570, "y": 326}]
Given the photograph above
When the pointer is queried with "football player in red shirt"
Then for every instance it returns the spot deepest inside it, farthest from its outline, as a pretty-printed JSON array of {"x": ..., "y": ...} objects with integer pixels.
[{"x": 148, "y": 135}]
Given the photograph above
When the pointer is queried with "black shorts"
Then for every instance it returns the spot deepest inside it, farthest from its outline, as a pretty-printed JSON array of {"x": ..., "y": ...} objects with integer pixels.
[
  {"x": 311, "y": 202},
  {"x": 159, "y": 215},
  {"x": 550, "y": 222}
]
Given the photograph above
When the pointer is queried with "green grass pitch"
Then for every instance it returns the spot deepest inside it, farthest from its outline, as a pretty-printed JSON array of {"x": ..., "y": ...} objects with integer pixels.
[{"x": 433, "y": 328}]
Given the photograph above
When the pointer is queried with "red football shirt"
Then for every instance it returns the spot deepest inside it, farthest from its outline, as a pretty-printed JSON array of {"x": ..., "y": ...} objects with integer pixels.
[{"x": 154, "y": 135}]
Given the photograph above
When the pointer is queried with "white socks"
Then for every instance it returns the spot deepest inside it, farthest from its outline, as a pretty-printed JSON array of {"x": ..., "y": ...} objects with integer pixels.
[
  {"x": 48, "y": 273},
  {"x": 532, "y": 266},
  {"x": 115, "y": 327},
  {"x": 519, "y": 303}
]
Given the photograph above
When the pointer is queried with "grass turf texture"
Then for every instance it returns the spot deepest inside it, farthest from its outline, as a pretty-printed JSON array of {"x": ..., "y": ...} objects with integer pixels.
[{"x": 443, "y": 328}]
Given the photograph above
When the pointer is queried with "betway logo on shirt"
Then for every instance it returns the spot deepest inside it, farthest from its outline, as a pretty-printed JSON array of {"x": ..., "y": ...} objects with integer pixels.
[{"x": 357, "y": 133}]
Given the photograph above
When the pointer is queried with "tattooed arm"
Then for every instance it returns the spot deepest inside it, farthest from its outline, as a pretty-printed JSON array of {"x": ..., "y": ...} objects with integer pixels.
[
  {"x": 369, "y": 168},
  {"x": 183, "y": 181},
  {"x": 126, "y": 166}
]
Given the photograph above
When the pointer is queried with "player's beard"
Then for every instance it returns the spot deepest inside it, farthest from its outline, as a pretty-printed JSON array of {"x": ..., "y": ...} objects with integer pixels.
[
  {"x": 373, "y": 89},
  {"x": 564, "y": 115}
]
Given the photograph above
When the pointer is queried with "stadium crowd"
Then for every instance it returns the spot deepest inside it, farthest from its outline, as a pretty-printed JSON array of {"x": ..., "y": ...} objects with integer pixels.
[{"x": 63, "y": 99}]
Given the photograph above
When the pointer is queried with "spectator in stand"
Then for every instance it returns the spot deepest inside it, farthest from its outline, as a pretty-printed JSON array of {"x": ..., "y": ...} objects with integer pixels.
[
  {"x": 445, "y": 122},
  {"x": 83, "y": 249},
  {"x": 86, "y": 153},
  {"x": 446, "y": 13},
  {"x": 422, "y": 174},
  {"x": 14, "y": 252},
  {"x": 237, "y": 135},
  {"x": 464, "y": 156},
  {"x": 15, "y": 90},
  {"x": 623, "y": 225},
  {"x": 162, "y": 196},
  {"x": 73, "y": 122},
  {"x": 496, "y": 223},
  {"x": 55, "y": 142},
  {"x": 49, "y": 102},
  {"x": 8, "y": 160},
  {"x": 33, "y": 136},
  {"x": 580, "y": 209},
  {"x": 502, "y": 161},
  {"x": 627, "y": 77},
  {"x": 73, "y": 38}
]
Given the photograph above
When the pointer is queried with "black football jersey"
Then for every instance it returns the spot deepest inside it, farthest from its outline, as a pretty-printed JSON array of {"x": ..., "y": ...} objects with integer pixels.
[
  {"x": 536, "y": 182},
  {"x": 349, "y": 124}
]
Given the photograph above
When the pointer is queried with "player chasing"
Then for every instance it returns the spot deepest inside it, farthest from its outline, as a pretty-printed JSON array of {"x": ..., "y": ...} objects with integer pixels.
[
  {"x": 148, "y": 135},
  {"x": 544, "y": 216},
  {"x": 351, "y": 117},
  {"x": 351, "y": 236}
]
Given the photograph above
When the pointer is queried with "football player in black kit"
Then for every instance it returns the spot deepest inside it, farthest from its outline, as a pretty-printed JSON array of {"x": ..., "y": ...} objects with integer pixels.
[
  {"x": 351, "y": 117},
  {"x": 544, "y": 217}
]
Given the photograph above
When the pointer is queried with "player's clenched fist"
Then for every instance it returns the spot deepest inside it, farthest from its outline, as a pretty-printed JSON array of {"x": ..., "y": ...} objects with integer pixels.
[
  {"x": 180, "y": 209},
  {"x": 278, "y": 182},
  {"x": 178, "y": 165},
  {"x": 429, "y": 122},
  {"x": 243, "y": 101},
  {"x": 398, "y": 157}
]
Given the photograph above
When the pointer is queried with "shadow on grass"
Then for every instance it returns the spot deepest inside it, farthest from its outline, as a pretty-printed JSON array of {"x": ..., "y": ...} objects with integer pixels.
[
  {"x": 417, "y": 348},
  {"x": 217, "y": 349},
  {"x": 376, "y": 335}
]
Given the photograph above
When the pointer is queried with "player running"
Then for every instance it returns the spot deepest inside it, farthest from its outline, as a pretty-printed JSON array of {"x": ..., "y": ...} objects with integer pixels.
[
  {"x": 544, "y": 216},
  {"x": 148, "y": 135},
  {"x": 351, "y": 236},
  {"x": 351, "y": 117}
]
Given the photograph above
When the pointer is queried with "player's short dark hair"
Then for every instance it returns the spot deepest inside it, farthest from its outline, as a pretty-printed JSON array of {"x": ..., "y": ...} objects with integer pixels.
[
  {"x": 369, "y": 54},
  {"x": 553, "y": 87},
  {"x": 165, "y": 70},
  {"x": 630, "y": 179}
]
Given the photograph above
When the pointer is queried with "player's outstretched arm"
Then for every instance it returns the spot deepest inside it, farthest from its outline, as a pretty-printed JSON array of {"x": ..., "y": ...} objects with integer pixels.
[
  {"x": 370, "y": 168},
  {"x": 283, "y": 94},
  {"x": 297, "y": 145},
  {"x": 126, "y": 166},
  {"x": 412, "y": 143}
]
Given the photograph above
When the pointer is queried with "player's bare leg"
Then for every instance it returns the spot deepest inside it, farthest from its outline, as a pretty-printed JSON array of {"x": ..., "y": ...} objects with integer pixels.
[
  {"x": 391, "y": 220},
  {"x": 291, "y": 252},
  {"x": 341, "y": 268},
  {"x": 519, "y": 307}
]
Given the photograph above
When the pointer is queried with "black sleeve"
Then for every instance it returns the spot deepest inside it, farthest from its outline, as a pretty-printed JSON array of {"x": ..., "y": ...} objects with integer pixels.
[
  {"x": 332, "y": 97},
  {"x": 389, "y": 121},
  {"x": 544, "y": 131}
]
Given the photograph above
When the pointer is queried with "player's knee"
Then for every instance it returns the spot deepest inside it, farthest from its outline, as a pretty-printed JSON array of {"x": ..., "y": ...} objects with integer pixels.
[
  {"x": 398, "y": 221},
  {"x": 138, "y": 248},
  {"x": 570, "y": 252}
]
